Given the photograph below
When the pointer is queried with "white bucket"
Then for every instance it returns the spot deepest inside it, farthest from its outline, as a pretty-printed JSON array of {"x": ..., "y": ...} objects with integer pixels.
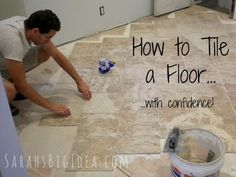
[{"x": 190, "y": 159}]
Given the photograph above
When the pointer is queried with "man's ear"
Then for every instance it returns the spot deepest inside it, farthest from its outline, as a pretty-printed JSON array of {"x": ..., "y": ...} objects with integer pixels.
[{"x": 35, "y": 30}]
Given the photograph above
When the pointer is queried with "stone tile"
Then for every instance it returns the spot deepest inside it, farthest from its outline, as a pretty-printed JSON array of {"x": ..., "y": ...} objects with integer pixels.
[
  {"x": 120, "y": 30},
  {"x": 229, "y": 167},
  {"x": 42, "y": 73},
  {"x": 47, "y": 143},
  {"x": 106, "y": 83},
  {"x": 138, "y": 144},
  {"x": 111, "y": 43},
  {"x": 138, "y": 124},
  {"x": 39, "y": 170},
  {"x": 85, "y": 49},
  {"x": 55, "y": 120},
  {"x": 138, "y": 73},
  {"x": 85, "y": 73},
  {"x": 207, "y": 91},
  {"x": 144, "y": 165},
  {"x": 221, "y": 121},
  {"x": 94, "y": 37},
  {"x": 148, "y": 19},
  {"x": 104, "y": 125},
  {"x": 85, "y": 62},
  {"x": 144, "y": 28},
  {"x": 140, "y": 61},
  {"x": 104, "y": 103},
  {"x": 63, "y": 173},
  {"x": 92, "y": 153}
]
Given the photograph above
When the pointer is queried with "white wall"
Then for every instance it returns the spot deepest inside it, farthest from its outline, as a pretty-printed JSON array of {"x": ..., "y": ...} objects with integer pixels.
[
  {"x": 10, "y": 8},
  {"x": 81, "y": 17}
]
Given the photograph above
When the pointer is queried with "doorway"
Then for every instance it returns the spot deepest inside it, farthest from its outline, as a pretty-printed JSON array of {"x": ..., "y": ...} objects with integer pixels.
[{"x": 218, "y": 5}]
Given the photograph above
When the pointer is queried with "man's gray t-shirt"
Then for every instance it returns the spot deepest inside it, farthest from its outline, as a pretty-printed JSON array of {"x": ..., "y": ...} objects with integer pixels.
[{"x": 13, "y": 43}]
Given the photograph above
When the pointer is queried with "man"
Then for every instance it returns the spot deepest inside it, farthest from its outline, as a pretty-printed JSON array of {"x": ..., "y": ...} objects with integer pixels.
[{"x": 17, "y": 56}]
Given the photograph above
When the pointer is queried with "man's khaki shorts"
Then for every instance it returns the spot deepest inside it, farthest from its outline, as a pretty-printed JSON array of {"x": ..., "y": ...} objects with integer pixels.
[{"x": 29, "y": 61}]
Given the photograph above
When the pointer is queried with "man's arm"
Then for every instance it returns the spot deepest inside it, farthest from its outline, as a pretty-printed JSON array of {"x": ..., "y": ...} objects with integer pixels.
[
  {"x": 68, "y": 67},
  {"x": 17, "y": 74}
]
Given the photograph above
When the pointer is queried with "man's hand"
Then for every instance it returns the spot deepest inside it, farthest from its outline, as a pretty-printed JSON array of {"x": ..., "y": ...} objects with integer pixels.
[
  {"x": 60, "y": 110},
  {"x": 84, "y": 89}
]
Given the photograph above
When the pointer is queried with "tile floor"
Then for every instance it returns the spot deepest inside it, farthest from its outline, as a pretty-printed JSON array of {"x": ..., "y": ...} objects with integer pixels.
[{"x": 119, "y": 96}]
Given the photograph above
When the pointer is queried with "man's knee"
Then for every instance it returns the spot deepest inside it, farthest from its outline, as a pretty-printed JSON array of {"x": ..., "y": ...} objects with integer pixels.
[{"x": 10, "y": 90}]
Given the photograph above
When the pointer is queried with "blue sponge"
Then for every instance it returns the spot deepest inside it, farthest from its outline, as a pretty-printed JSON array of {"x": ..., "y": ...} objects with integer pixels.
[{"x": 105, "y": 65}]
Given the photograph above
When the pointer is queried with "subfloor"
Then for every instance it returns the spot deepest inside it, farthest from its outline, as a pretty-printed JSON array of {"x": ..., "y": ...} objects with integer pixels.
[{"x": 115, "y": 122}]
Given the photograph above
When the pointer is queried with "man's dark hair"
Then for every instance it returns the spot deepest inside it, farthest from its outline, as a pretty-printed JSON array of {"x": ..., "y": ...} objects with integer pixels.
[{"x": 45, "y": 20}]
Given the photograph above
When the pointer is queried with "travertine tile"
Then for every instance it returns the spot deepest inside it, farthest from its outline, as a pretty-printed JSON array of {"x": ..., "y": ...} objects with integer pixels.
[
  {"x": 39, "y": 170},
  {"x": 42, "y": 73},
  {"x": 145, "y": 28},
  {"x": 85, "y": 73},
  {"x": 106, "y": 83},
  {"x": 207, "y": 91},
  {"x": 85, "y": 49},
  {"x": 104, "y": 125},
  {"x": 114, "y": 31},
  {"x": 94, "y": 153},
  {"x": 52, "y": 119},
  {"x": 104, "y": 103}
]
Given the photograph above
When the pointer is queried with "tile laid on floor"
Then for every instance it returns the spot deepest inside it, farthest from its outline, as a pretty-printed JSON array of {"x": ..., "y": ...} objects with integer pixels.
[
  {"x": 209, "y": 91},
  {"x": 51, "y": 119},
  {"x": 92, "y": 153},
  {"x": 104, "y": 103},
  {"x": 221, "y": 121},
  {"x": 63, "y": 173},
  {"x": 42, "y": 73},
  {"x": 39, "y": 170},
  {"x": 85, "y": 73},
  {"x": 141, "y": 165},
  {"x": 47, "y": 142},
  {"x": 105, "y": 83}
]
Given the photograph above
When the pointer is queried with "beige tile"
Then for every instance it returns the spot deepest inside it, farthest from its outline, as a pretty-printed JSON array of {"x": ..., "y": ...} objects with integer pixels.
[
  {"x": 85, "y": 49},
  {"x": 47, "y": 143},
  {"x": 42, "y": 73},
  {"x": 39, "y": 170},
  {"x": 138, "y": 144},
  {"x": 104, "y": 103},
  {"x": 147, "y": 19},
  {"x": 94, "y": 153},
  {"x": 106, "y": 83},
  {"x": 114, "y": 31},
  {"x": 85, "y": 73},
  {"x": 145, "y": 28},
  {"x": 55, "y": 120},
  {"x": 104, "y": 125},
  {"x": 207, "y": 91},
  {"x": 94, "y": 37},
  {"x": 111, "y": 43}
]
